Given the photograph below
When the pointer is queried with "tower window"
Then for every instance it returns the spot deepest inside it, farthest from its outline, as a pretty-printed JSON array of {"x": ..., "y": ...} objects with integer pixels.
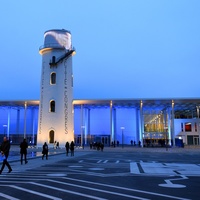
[
  {"x": 52, "y": 106},
  {"x": 53, "y": 78}
]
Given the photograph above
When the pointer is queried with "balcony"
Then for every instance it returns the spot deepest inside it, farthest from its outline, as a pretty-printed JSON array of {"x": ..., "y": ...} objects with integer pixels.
[{"x": 50, "y": 46}]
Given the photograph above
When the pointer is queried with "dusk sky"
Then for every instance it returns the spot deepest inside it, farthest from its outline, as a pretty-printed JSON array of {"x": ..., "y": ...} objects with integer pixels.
[{"x": 124, "y": 48}]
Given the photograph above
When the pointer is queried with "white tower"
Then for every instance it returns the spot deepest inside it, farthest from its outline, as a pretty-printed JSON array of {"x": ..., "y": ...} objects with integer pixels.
[{"x": 55, "y": 123}]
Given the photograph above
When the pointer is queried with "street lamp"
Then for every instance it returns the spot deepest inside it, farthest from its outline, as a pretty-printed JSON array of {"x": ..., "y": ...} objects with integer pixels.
[
  {"x": 4, "y": 126},
  {"x": 122, "y": 128}
]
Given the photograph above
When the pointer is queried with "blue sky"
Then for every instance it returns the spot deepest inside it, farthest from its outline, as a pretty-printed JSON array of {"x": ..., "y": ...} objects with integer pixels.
[{"x": 125, "y": 48}]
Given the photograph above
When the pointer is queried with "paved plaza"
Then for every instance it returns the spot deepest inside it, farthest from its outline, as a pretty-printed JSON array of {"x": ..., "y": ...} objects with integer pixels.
[{"x": 115, "y": 173}]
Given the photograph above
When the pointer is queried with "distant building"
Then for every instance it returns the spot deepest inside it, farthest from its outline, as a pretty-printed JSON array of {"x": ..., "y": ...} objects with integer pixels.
[{"x": 151, "y": 121}]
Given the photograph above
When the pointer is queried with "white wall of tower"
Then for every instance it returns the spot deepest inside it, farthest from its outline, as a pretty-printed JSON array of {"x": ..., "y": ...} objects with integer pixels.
[{"x": 60, "y": 121}]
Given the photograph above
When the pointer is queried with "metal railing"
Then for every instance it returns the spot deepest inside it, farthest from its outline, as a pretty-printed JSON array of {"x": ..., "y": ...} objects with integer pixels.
[{"x": 51, "y": 45}]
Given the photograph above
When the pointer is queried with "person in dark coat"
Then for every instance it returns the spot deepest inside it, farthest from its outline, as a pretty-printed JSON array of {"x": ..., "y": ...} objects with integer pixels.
[
  {"x": 5, "y": 148},
  {"x": 72, "y": 148},
  {"x": 67, "y": 148},
  {"x": 45, "y": 151},
  {"x": 23, "y": 151}
]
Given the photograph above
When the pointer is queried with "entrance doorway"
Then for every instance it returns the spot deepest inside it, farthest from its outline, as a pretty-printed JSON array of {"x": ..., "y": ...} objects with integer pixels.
[
  {"x": 196, "y": 140},
  {"x": 78, "y": 140},
  {"x": 51, "y": 137},
  {"x": 193, "y": 140}
]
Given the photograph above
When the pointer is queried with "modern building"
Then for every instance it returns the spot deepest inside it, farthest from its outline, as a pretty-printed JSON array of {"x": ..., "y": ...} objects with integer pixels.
[{"x": 153, "y": 122}]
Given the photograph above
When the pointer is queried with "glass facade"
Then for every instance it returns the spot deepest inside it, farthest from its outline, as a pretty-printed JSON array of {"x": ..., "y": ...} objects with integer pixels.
[{"x": 150, "y": 124}]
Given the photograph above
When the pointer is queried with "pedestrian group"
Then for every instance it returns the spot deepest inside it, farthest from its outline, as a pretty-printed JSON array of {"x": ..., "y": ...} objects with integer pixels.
[{"x": 5, "y": 149}]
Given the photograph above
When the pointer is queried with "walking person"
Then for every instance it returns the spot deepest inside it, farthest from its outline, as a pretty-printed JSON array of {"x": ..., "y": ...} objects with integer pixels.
[
  {"x": 72, "y": 148},
  {"x": 45, "y": 151},
  {"x": 67, "y": 148},
  {"x": 55, "y": 145},
  {"x": 23, "y": 151},
  {"x": 5, "y": 148}
]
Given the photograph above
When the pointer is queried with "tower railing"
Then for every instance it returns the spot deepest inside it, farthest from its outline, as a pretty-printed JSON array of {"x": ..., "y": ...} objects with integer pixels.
[{"x": 51, "y": 45}]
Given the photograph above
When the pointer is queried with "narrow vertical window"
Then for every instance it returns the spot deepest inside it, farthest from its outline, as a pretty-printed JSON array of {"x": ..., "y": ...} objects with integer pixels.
[
  {"x": 53, "y": 78},
  {"x": 52, "y": 106},
  {"x": 182, "y": 127},
  {"x": 195, "y": 126}
]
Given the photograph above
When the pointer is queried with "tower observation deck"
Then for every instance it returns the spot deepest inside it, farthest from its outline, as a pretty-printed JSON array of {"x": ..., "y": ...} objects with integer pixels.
[{"x": 56, "y": 39}]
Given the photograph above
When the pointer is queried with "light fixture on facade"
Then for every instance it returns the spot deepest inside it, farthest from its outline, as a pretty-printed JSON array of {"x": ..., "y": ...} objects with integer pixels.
[{"x": 122, "y": 128}]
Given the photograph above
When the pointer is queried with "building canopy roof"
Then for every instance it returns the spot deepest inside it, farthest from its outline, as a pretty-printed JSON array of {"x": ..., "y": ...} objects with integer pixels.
[{"x": 181, "y": 106}]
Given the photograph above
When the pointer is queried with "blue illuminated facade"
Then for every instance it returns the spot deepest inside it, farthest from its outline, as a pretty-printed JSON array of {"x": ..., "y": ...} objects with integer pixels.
[{"x": 123, "y": 122}]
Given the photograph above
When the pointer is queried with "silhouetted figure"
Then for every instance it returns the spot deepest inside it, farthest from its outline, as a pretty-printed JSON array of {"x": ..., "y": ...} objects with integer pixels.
[
  {"x": 45, "y": 151},
  {"x": 102, "y": 146},
  {"x": 5, "y": 148},
  {"x": 72, "y": 148},
  {"x": 55, "y": 145},
  {"x": 67, "y": 148},
  {"x": 23, "y": 151},
  {"x": 98, "y": 146}
]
